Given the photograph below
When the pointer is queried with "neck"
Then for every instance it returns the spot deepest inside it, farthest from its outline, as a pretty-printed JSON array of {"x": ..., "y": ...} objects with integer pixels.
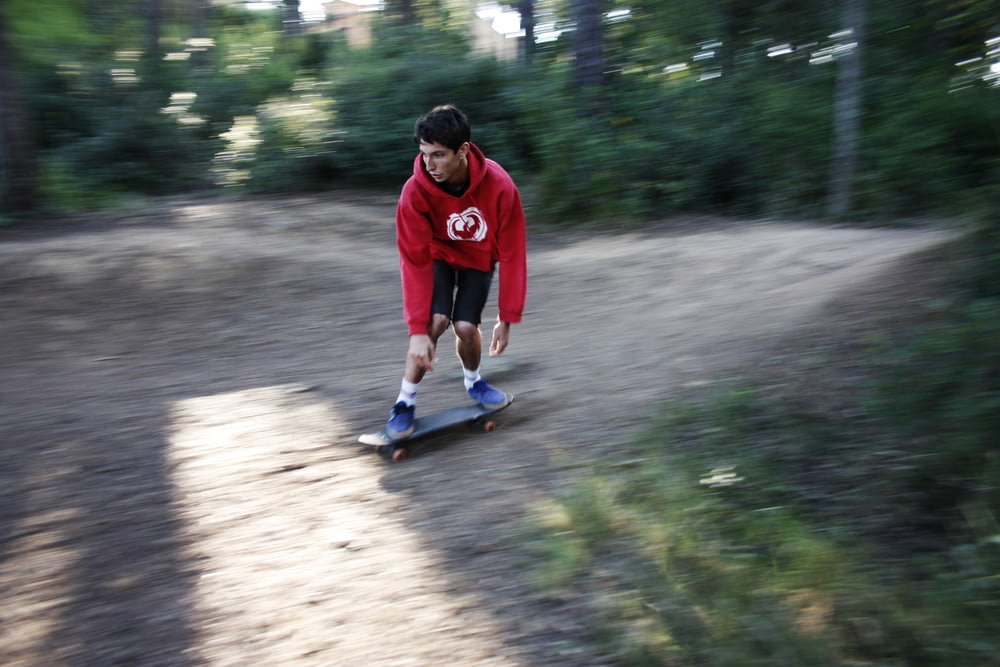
[
  {"x": 460, "y": 182},
  {"x": 455, "y": 188}
]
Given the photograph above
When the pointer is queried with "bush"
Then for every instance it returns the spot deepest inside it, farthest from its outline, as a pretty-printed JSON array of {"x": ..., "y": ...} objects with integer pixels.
[
  {"x": 132, "y": 150},
  {"x": 377, "y": 103},
  {"x": 289, "y": 144}
]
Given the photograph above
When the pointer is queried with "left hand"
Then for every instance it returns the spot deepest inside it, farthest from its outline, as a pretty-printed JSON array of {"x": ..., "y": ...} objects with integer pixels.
[{"x": 501, "y": 336}]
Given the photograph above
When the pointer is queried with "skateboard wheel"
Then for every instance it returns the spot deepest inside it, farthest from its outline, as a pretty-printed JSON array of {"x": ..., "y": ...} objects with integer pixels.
[
  {"x": 489, "y": 427},
  {"x": 399, "y": 455},
  {"x": 379, "y": 449}
]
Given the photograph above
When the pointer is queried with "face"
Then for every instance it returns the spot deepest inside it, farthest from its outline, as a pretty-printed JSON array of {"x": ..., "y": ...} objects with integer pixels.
[{"x": 445, "y": 165}]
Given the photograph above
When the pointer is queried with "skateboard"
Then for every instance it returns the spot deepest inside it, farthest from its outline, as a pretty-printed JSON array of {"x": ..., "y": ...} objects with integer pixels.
[{"x": 432, "y": 423}]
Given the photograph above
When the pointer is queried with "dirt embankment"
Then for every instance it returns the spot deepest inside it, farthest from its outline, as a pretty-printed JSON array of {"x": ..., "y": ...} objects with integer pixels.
[{"x": 182, "y": 387}]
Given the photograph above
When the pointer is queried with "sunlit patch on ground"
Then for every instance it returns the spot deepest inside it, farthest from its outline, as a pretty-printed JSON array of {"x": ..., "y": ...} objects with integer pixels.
[{"x": 287, "y": 534}]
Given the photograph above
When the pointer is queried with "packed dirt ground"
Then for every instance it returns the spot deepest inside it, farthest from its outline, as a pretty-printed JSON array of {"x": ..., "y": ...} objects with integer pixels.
[{"x": 183, "y": 387}]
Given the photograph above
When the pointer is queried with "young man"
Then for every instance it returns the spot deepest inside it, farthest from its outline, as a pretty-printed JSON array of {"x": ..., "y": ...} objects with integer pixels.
[{"x": 459, "y": 217}]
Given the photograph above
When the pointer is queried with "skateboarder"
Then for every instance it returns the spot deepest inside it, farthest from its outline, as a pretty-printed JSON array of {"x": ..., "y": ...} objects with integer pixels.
[{"x": 459, "y": 218}]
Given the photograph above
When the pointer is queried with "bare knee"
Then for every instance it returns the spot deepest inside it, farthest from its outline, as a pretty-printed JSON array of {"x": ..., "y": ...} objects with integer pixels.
[
  {"x": 439, "y": 324},
  {"x": 466, "y": 331}
]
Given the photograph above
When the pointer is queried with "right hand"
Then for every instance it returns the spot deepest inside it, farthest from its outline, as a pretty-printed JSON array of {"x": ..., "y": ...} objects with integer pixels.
[{"x": 422, "y": 352}]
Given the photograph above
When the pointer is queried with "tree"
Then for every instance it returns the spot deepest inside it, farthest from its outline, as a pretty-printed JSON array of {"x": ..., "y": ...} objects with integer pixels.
[
  {"x": 18, "y": 167},
  {"x": 589, "y": 42},
  {"x": 291, "y": 20},
  {"x": 201, "y": 12},
  {"x": 847, "y": 111},
  {"x": 401, "y": 11},
  {"x": 526, "y": 8}
]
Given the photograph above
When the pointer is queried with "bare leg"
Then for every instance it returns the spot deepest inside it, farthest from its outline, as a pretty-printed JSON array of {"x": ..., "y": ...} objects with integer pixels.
[
  {"x": 470, "y": 351},
  {"x": 468, "y": 344}
]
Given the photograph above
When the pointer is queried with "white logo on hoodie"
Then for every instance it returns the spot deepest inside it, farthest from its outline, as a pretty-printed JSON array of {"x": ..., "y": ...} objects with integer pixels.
[{"x": 469, "y": 225}]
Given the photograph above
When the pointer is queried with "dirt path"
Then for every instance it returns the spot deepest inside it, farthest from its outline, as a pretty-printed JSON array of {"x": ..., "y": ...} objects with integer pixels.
[{"x": 181, "y": 388}]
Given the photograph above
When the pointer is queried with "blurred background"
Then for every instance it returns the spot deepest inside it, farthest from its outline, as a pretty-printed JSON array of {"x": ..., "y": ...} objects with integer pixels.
[
  {"x": 792, "y": 458},
  {"x": 787, "y": 107}
]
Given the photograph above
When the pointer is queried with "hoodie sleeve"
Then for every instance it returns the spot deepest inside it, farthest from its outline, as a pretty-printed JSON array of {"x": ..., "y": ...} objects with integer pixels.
[
  {"x": 416, "y": 268},
  {"x": 512, "y": 255}
]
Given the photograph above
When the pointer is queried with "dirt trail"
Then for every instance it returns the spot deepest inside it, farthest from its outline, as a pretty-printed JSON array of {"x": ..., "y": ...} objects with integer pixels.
[{"x": 181, "y": 388}]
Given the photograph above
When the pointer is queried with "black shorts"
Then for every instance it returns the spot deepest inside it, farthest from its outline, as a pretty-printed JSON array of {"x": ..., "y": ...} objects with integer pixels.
[{"x": 467, "y": 303}]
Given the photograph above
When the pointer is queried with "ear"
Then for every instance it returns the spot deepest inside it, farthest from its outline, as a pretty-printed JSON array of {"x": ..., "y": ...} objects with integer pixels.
[{"x": 463, "y": 150}]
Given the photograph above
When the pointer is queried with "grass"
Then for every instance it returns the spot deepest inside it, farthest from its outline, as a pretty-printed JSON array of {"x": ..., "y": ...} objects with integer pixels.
[{"x": 803, "y": 517}]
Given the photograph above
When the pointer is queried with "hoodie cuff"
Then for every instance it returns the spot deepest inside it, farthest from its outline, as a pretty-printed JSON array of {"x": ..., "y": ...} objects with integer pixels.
[{"x": 513, "y": 318}]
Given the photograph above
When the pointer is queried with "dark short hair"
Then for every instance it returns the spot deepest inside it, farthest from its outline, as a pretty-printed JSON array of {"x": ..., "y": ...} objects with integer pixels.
[{"x": 445, "y": 125}]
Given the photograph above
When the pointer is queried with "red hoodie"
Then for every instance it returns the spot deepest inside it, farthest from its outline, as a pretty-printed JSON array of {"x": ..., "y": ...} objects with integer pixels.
[{"x": 483, "y": 227}]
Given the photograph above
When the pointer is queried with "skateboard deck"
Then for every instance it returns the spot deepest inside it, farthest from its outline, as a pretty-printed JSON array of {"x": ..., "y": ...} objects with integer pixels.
[{"x": 432, "y": 423}]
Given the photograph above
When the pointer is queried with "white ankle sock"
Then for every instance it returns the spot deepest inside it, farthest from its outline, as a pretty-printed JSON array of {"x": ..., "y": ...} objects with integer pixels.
[
  {"x": 471, "y": 377},
  {"x": 408, "y": 392}
]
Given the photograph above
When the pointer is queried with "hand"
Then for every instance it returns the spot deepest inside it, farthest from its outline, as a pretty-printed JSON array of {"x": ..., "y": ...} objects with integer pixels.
[
  {"x": 501, "y": 336},
  {"x": 422, "y": 352}
]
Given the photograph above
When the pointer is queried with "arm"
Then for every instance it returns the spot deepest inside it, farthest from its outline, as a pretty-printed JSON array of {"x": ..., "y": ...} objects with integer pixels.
[
  {"x": 512, "y": 254},
  {"x": 413, "y": 239}
]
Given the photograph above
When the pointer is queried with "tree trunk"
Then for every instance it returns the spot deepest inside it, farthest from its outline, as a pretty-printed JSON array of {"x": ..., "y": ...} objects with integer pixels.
[
  {"x": 151, "y": 69},
  {"x": 847, "y": 112},
  {"x": 290, "y": 18},
  {"x": 527, "y": 10},
  {"x": 201, "y": 13},
  {"x": 153, "y": 10},
  {"x": 588, "y": 42},
  {"x": 18, "y": 170}
]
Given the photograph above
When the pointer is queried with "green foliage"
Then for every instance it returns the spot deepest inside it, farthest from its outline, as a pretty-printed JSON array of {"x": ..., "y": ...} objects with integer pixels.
[
  {"x": 957, "y": 399},
  {"x": 582, "y": 167},
  {"x": 746, "y": 530},
  {"x": 931, "y": 152},
  {"x": 700, "y": 111},
  {"x": 694, "y": 564},
  {"x": 759, "y": 522},
  {"x": 289, "y": 144},
  {"x": 68, "y": 31},
  {"x": 378, "y": 101},
  {"x": 939, "y": 387},
  {"x": 983, "y": 276},
  {"x": 128, "y": 152},
  {"x": 106, "y": 123},
  {"x": 660, "y": 142},
  {"x": 248, "y": 64}
]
